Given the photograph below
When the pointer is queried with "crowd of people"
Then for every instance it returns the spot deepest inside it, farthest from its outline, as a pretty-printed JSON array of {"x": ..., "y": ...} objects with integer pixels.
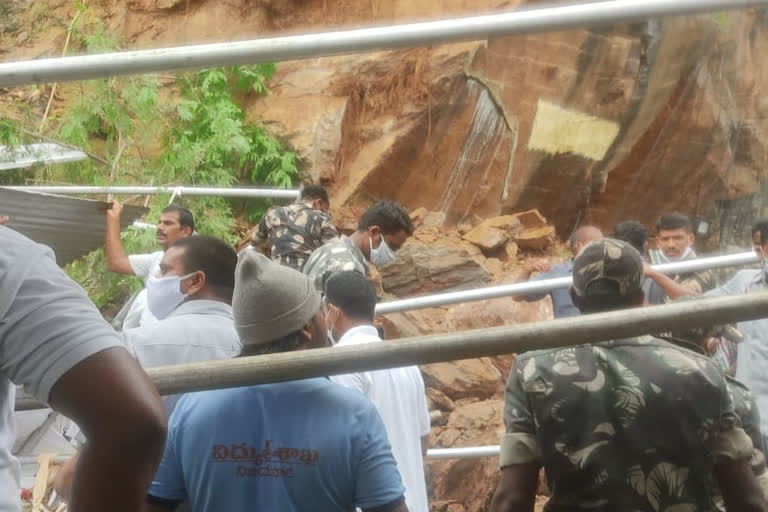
[{"x": 664, "y": 423}]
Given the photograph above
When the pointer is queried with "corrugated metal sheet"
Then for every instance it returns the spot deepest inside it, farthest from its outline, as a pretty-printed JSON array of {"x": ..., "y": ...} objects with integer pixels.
[{"x": 71, "y": 227}]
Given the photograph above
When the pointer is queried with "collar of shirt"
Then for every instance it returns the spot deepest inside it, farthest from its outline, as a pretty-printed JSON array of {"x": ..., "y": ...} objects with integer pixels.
[
  {"x": 360, "y": 334},
  {"x": 203, "y": 307},
  {"x": 352, "y": 246}
]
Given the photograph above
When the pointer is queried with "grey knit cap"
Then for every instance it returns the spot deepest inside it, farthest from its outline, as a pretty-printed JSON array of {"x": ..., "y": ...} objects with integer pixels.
[{"x": 270, "y": 300}]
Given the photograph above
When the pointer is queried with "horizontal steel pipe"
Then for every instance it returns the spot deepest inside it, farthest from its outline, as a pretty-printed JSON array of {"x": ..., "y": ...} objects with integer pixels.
[
  {"x": 278, "y": 193},
  {"x": 556, "y": 17},
  {"x": 533, "y": 287},
  {"x": 469, "y": 452},
  {"x": 247, "y": 371}
]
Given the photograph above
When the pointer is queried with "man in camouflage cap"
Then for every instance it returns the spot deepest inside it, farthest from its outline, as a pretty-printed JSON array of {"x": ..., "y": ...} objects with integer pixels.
[
  {"x": 381, "y": 231},
  {"x": 294, "y": 231},
  {"x": 633, "y": 424}
]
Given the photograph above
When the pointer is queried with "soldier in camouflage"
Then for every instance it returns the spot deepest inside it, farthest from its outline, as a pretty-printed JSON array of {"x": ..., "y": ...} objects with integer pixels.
[
  {"x": 381, "y": 231},
  {"x": 634, "y": 424},
  {"x": 675, "y": 241},
  {"x": 294, "y": 231}
]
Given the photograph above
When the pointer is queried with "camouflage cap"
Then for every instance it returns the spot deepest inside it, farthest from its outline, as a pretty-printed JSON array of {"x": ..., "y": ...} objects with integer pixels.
[{"x": 611, "y": 262}]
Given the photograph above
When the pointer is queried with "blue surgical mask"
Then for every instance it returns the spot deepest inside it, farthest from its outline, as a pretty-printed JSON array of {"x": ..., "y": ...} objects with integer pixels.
[
  {"x": 164, "y": 294},
  {"x": 383, "y": 254}
]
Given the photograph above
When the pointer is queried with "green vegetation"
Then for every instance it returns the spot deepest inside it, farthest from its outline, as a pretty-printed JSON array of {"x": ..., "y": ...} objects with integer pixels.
[{"x": 182, "y": 129}]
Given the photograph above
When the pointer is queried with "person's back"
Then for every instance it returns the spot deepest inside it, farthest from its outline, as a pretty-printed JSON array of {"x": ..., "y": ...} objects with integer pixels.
[
  {"x": 636, "y": 424},
  {"x": 623, "y": 425},
  {"x": 295, "y": 230},
  {"x": 289, "y": 447},
  {"x": 397, "y": 393}
]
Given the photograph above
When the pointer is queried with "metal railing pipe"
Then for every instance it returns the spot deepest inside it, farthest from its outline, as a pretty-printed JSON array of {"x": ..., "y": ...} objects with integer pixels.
[
  {"x": 469, "y": 452},
  {"x": 247, "y": 371},
  {"x": 244, "y": 192},
  {"x": 535, "y": 287},
  {"x": 543, "y": 19}
]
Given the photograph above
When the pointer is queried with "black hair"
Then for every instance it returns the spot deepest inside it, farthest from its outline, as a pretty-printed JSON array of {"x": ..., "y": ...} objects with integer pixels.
[
  {"x": 674, "y": 220},
  {"x": 761, "y": 226},
  {"x": 186, "y": 219},
  {"x": 287, "y": 343},
  {"x": 353, "y": 294},
  {"x": 314, "y": 192},
  {"x": 389, "y": 216},
  {"x": 215, "y": 258},
  {"x": 633, "y": 232}
]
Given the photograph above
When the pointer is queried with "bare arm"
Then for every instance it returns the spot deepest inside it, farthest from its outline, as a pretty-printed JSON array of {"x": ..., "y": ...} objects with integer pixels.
[
  {"x": 671, "y": 288},
  {"x": 124, "y": 421},
  {"x": 516, "y": 491},
  {"x": 62, "y": 483},
  {"x": 4, "y": 220},
  {"x": 739, "y": 487},
  {"x": 117, "y": 259}
]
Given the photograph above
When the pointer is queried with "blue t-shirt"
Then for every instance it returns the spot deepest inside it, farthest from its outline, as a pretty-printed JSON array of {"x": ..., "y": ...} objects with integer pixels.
[
  {"x": 296, "y": 446},
  {"x": 562, "y": 305}
]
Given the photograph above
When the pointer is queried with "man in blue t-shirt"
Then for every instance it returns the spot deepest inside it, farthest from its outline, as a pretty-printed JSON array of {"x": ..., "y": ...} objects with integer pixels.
[
  {"x": 562, "y": 305},
  {"x": 298, "y": 446}
]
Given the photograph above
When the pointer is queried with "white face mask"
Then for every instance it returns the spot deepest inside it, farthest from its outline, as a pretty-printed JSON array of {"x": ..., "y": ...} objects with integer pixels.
[
  {"x": 686, "y": 253},
  {"x": 164, "y": 294},
  {"x": 383, "y": 254}
]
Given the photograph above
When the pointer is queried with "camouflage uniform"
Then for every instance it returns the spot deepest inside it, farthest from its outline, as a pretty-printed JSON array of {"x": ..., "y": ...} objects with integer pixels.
[
  {"x": 701, "y": 281},
  {"x": 628, "y": 425},
  {"x": 294, "y": 231},
  {"x": 334, "y": 257}
]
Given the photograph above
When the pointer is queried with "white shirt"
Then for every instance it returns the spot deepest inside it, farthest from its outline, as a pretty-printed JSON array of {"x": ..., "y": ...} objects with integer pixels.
[
  {"x": 398, "y": 394},
  {"x": 143, "y": 265},
  {"x": 197, "y": 330},
  {"x": 47, "y": 326}
]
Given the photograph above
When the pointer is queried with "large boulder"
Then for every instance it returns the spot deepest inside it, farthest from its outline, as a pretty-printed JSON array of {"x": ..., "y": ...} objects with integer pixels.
[{"x": 469, "y": 378}]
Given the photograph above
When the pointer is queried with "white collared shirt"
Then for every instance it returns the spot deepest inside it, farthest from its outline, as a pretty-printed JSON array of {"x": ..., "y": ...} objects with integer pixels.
[{"x": 398, "y": 394}]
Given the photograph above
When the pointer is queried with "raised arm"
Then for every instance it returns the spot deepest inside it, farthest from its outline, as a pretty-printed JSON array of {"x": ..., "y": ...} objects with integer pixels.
[
  {"x": 671, "y": 288},
  {"x": 117, "y": 259}
]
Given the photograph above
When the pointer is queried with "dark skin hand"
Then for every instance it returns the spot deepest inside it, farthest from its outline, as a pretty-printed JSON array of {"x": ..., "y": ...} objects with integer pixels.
[
  {"x": 740, "y": 490},
  {"x": 124, "y": 421},
  {"x": 516, "y": 491}
]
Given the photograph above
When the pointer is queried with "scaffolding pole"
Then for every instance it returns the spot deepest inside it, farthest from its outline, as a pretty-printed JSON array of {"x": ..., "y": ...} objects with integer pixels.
[
  {"x": 546, "y": 286},
  {"x": 304, "y": 364},
  {"x": 276, "y": 49},
  {"x": 243, "y": 192}
]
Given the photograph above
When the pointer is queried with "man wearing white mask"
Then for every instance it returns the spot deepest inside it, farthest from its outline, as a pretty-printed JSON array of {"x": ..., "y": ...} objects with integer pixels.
[
  {"x": 674, "y": 240},
  {"x": 191, "y": 297},
  {"x": 752, "y": 354},
  {"x": 381, "y": 231}
]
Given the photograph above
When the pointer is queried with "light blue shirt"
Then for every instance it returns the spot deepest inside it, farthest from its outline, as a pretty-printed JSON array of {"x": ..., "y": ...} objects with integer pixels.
[
  {"x": 562, "y": 305},
  {"x": 752, "y": 356},
  {"x": 299, "y": 446}
]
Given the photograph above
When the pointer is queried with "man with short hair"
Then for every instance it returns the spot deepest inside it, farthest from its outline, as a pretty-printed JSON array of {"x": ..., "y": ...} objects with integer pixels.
[
  {"x": 752, "y": 352},
  {"x": 54, "y": 341},
  {"x": 397, "y": 393},
  {"x": 292, "y": 232},
  {"x": 632, "y": 424},
  {"x": 175, "y": 223},
  {"x": 297, "y": 446},
  {"x": 634, "y": 233},
  {"x": 191, "y": 299},
  {"x": 562, "y": 305},
  {"x": 381, "y": 232},
  {"x": 675, "y": 240}
]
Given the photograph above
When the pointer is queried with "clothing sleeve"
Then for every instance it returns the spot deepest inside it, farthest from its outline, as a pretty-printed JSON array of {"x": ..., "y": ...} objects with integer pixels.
[
  {"x": 519, "y": 445},
  {"x": 142, "y": 264},
  {"x": 425, "y": 424},
  {"x": 533, "y": 297},
  {"x": 731, "y": 443},
  {"x": 262, "y": 230},
  {"x": 168, "y": 484},
  {"x": 378, "y": 481},
  {"x": 47, "y": 322},
  {"x": 356, "y": 381},
  {"x": 733, "y": 287}
]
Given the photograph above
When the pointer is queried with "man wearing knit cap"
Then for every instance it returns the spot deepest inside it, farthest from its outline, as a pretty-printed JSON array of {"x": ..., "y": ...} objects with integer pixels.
[
  {"x": 631, "y": 424},
  {"x": 296, "y": 446}
]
